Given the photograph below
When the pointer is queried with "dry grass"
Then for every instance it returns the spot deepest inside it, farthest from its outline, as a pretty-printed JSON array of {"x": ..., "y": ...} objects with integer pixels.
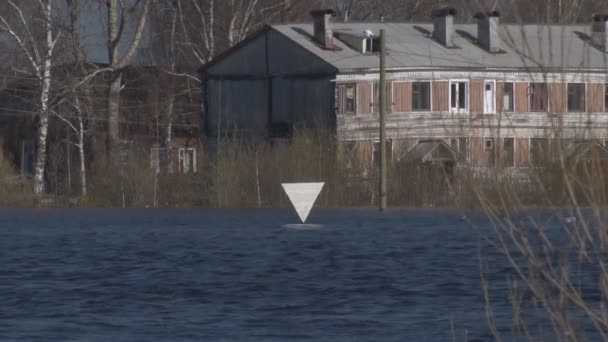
[
  {"x": 558, "y": 273},
  {"x": 15, "y": 191}
]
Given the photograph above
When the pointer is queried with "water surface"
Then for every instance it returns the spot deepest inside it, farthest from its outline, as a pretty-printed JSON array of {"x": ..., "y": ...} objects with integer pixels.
[{"x": 182, "y": 275}]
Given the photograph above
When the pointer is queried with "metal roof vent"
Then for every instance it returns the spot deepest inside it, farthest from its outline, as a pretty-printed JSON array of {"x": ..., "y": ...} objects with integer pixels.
[
  {"x": 443, "y": 30},
  {"x": 364, "y": 42},
  {"x": 599, "y": 31}
]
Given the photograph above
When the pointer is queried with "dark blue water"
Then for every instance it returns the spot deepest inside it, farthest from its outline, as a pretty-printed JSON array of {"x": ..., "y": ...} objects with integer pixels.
[{"x": 175, "y": 275}]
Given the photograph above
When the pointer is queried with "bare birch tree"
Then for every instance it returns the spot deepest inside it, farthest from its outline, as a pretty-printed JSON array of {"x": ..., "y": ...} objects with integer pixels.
[
  {"x": 117, "y": 19},
  {"x": 23, "y": 28}
]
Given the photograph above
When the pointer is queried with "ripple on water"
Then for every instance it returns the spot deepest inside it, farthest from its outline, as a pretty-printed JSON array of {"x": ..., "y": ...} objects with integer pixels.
[{"x": 239, "y": 275}]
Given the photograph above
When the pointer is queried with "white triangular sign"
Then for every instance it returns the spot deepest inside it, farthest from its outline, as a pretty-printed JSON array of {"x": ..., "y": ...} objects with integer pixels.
[{"x": 303, "y": 196}]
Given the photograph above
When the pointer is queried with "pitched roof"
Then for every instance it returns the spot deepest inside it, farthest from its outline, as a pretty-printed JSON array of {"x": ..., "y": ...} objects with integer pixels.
[
  {"x": 553, "y": 47},
  {"x": 586, "y": 151},
  {"x": 431, "y": 151}
]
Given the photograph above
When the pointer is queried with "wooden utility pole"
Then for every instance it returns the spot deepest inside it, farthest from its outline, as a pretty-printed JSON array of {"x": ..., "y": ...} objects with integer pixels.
[{"x": 382, "y": 110}]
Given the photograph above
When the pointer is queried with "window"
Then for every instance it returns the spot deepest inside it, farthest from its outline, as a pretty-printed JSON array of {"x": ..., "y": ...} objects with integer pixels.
[
  {"x": 508, "y": 152},
  {"x": 490, "y": 158},
  {"x": 155, "y": 158},
  {"x": 538, "y": 97},
  {"x": 463, "y": 147},
  {"x": 348, "y": 154},
  {"x": 507, "y": 98},
  {"x": 539, "y": 151},
  {"x": 187, "y": 159},
  {"x": 489, "y": 97},
  {"x": 421, "y": 96},
  {"x": 347, "y": 98},
  {"x": 605, "y": 97},
  {"x": 372, "y": 45},
  {"x": 576, "y": 97},
  {"x": 376, "y": 152},
  {"x": 28, "y": 157},
  {"x": 489, "y": 144},
  {"x": 459, "y": 101}
]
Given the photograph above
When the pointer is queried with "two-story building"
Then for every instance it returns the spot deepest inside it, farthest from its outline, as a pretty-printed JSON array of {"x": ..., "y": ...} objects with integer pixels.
[{"x": 496, "y": 94}]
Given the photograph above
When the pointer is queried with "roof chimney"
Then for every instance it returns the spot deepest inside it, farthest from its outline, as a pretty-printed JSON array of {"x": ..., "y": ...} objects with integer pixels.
[
  {"x": 323, "y": 34},
  {"x": 443, "y": 30},
  {"x": 487, "y": 31},
  {"x": 599, "y": 31}
]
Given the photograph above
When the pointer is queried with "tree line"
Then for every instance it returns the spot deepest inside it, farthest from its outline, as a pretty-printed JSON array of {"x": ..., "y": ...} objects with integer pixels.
[{"x": 52, "y": 46}]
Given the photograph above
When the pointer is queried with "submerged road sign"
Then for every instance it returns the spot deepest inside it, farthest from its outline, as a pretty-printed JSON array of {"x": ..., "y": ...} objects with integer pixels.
[{"x": 303, "y": 196}]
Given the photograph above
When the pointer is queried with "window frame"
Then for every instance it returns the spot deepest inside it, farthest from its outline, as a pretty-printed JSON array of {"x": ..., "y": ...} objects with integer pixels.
[
  {"x": 531, "y": 94},
  {"x": 428, "y": 96},
  {"x": 490, "y": 149},
  {"x": 155, "y": 158},
  {"x": 584, "y": 97},
  {"x": 343, "y": 101},
  {"x": 544, "y": 142},
  {"x": 389, "y": 156},
  {"x": 504, "y": 87},
  {"x": 349, "y": 154},
  {"x": 181, "y": 157},
  {"x": 467, "y": 95},
  {"x": 493, "y": 83},
  {"x": 502, "y": 159},
  {"x": 605, "y": 97}
]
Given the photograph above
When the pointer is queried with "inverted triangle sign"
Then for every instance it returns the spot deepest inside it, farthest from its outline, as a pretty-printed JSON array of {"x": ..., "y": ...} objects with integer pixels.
[{"x": 303, "y": 196}]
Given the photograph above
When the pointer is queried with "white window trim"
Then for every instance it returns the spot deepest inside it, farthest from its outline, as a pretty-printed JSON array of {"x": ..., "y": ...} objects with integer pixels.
[
  {"x": 181, "y": 156},
  {"x": 388, "y": 158},
  {"x": 485, "y": 144},
  {"x": 467, "y": 100},
  {"x": 493, "y": 82},
  {"x": 339, "y": 111},
  {"x": 513, "y": 95}
]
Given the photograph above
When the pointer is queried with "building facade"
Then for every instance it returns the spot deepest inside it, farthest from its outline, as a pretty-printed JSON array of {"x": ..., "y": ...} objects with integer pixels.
[{"x": 496, "y": 94}]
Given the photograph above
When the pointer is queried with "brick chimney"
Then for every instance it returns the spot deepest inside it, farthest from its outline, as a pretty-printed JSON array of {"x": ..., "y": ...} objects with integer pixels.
[
  {"x": 443, "y": 30},
  {"x": 487, "y": 31},
  {"x": 323, "y": 34},
  {"x": 599, "y": 31}
]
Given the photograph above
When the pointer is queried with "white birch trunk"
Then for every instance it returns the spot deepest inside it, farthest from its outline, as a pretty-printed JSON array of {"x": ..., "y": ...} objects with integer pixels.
[
  {"x": 43, "y": 124},
  {"x": 81, "y": 152}
]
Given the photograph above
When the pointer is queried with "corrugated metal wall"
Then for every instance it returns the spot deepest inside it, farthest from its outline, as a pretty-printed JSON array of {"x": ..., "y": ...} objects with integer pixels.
[
  {"x": 302, "y": 100},
  {"x": 241, "y": 104}
]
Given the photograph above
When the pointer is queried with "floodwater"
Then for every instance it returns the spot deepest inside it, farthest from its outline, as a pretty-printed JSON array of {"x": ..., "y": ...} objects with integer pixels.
[{"x": 243, "y": 275}]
